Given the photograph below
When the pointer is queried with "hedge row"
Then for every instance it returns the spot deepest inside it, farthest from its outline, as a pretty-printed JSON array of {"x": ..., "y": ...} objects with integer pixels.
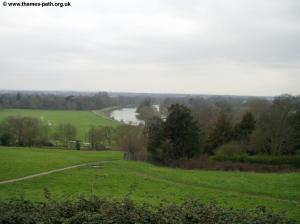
[
  {"x": 96, "y": 210},
  {"x": 293, "y": 160}
]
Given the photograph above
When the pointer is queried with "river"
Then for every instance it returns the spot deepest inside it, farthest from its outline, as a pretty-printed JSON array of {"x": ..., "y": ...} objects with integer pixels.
[{"x": 128, "y": 115}]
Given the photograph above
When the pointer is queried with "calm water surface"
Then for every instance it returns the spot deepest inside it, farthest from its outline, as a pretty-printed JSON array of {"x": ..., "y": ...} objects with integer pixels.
[{"x": 126, "y": 115}]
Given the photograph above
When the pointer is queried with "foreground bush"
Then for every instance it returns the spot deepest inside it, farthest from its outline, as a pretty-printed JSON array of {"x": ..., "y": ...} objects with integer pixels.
[{"x": 95, "y": 210}]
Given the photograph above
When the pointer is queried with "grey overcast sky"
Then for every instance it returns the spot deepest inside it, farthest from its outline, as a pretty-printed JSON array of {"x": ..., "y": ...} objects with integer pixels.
[{"x": 244, "y": 47}]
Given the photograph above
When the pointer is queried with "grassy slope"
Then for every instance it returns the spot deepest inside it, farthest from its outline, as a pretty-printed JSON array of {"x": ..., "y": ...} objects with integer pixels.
[
  {"x": 19, "y": 162},
  {"x": 83, "y": 120},
  {"x": 148, "y": 183}
]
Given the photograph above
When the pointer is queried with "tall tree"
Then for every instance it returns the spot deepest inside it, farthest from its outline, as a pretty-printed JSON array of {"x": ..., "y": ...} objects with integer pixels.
[
  {"x": 100, "y": 137},
  {"x": 132, "y": 140},
  {"x": 181, "y": 133},
  {"x": 243, "y": 130},
  {"x": 65, "y": 133},
  {"x": 274, "y": 132},
  {"x": 295, "y": 123},
  {"x": 26, "y": 131},
  {"x": 155, "y": 134},
  {"x": 146, "y": 110},
  {"x": 221, "y": 133}
]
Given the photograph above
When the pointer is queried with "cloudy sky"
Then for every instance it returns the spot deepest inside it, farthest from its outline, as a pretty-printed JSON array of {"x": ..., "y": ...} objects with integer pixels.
[{"x": 245, "y": 47}]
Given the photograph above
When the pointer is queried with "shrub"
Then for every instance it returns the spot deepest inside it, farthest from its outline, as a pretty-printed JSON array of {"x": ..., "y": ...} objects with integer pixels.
[
  {"x": 5, "y": 139},
  {"x": 230, "y": 149},
  {"x": 95, "y": 210}
]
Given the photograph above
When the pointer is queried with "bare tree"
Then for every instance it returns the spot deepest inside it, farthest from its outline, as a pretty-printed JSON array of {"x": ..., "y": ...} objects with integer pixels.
[
  {"x": 65, "y": 133},
  {"x": 132, "y": 141}
]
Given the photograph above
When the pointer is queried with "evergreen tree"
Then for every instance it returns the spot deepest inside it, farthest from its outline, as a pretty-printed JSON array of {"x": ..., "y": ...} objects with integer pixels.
[
  {"x": 243, "y": 130},
  {"x": 155, "y": 134},
  {"x": 181, "y": 133}
]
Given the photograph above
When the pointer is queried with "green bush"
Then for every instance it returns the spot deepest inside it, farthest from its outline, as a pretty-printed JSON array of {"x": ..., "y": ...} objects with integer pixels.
[
  {"x": 95, "y": 210},
  {"x": 229, "y": 150}
]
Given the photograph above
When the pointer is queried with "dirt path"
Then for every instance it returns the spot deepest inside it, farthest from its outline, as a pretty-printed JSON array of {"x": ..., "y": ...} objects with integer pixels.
[{"x": 47, "y": 173}]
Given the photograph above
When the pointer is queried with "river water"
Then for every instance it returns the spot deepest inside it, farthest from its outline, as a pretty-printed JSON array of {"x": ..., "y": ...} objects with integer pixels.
[{"x": 128, "y": 115}]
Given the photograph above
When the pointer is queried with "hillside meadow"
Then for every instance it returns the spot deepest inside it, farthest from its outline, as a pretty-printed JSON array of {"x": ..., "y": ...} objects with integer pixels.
[
  {"x": 19, "y": 162},
  {"x": 82, "y": 120},
  {"x": 142, "y": 182}
]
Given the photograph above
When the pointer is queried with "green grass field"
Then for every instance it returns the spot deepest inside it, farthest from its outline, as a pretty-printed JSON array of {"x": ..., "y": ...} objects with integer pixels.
[
  {"x": 142, "y": 182},
  {"x": 82, "y": 120},
  {"x": 18, "y": 162}
]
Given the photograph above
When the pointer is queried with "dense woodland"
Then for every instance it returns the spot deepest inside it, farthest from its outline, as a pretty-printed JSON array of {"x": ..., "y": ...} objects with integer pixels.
[
  {"x": 255, "y": 125},
  {"x": 55, "y": 101},
  {"x": 67, "y": 100},
  {"x": 253, "y": 130}
]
